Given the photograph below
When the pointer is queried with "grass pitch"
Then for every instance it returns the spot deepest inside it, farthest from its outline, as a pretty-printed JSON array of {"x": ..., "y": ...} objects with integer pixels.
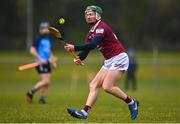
[{"x": 159, "y": 98}]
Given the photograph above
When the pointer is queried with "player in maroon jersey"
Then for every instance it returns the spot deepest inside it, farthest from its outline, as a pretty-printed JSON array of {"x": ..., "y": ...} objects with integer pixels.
[{"x": 116, "y": 63}]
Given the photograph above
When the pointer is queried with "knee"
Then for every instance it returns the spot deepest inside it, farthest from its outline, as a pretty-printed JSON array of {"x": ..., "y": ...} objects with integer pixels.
[
  {"x": 92, "y": 87},
  {"x": 106, "y": 88},
  {"x": 46, "y": 82}
]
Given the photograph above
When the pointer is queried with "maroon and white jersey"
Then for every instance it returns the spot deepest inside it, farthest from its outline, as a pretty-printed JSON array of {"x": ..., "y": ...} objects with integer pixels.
[{"x": 110, "y": 45}]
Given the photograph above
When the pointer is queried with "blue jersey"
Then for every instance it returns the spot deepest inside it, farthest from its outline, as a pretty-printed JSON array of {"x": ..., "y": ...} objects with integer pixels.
[{"x": 43, "y": 47}]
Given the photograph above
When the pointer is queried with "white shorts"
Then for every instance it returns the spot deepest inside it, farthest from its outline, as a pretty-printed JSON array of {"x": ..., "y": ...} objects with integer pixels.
[{"x": 118, "y": 62}]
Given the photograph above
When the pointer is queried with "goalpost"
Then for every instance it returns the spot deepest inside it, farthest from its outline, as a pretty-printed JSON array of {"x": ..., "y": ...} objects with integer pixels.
[{"x": 29, "y": 23}]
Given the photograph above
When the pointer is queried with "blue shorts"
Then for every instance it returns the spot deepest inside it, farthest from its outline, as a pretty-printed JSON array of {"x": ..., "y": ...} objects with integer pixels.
[{"x": 46, "y": 68}]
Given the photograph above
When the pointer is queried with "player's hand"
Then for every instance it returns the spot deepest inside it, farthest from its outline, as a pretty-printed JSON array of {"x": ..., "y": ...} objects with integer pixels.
[
  {"x": 53, "y": 61},
  {"x": 69, "y": 47},
  {"x": 77, "y": 61},
  {"x": 42, "y": 61},
  {"x": 54, "y": 65}
]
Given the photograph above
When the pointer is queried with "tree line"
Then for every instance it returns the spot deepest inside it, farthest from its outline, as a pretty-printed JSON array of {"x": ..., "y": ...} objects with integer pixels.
[{"x": 141, "y": 24}]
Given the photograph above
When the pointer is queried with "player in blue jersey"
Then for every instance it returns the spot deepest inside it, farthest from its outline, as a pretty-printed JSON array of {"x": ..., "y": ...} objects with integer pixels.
[
  {"x": 41, "y": 50},
  {"x": 130, "y": 81}
]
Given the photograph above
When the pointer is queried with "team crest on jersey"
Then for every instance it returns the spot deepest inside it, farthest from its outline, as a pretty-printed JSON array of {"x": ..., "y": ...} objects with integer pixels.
[{"x": 100, "y": 31}]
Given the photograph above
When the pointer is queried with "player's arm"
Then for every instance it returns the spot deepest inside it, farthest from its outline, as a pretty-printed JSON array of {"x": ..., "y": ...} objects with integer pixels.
[
  {"x": 36, "y": 55},
  {"x": 33, "y": 51},
  {"x": 85, "y": 48},
  {"x": 83, "y": 54},
  {"x": 80, "y": 57},
  {"x": 96, "y": 40},
  {"x": 53, "y": 60}
]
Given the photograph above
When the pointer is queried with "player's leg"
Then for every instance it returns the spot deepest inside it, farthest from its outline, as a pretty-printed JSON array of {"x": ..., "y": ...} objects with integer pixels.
[
  {"x": 43, "y": 82},
  {"x": 117, "y": 66},
  {"x": 44, "y": 88},
  {"x": 133, "y": 79},
  {"x": 94, "y": 86},
  {"x": 41, "y": 69},
  {"x": 126, "y": 83},
  {"x": 33, "y": 90},
  {"x": 108, "y": 85}
]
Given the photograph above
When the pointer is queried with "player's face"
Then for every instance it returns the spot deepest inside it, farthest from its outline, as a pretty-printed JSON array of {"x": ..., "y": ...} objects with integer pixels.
[
  {"x": 90, "y": 17},
  {"x": 44, "y": 31}
]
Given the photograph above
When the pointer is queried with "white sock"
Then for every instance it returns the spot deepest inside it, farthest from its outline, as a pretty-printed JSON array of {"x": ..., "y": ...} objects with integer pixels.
[
  {"x": 131, "y": 102},
  {"x": 84, "y": 112}
]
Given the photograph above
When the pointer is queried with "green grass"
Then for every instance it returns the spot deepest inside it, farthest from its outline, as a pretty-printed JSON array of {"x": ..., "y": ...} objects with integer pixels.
[{"x": 159, "y": 99}]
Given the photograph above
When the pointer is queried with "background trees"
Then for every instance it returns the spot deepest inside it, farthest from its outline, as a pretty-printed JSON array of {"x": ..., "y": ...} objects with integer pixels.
[{"x": 141, "y": 24}]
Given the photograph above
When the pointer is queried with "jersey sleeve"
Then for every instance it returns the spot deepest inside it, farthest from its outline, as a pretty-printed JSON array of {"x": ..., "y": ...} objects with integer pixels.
[
  {"x": 83, "y": 54},
  {"x": 96, "y": 40}
]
